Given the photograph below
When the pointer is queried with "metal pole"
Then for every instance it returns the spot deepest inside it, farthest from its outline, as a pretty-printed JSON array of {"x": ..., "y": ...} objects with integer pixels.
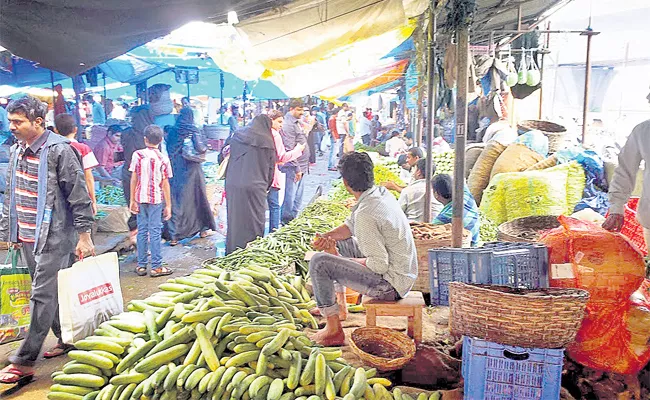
[
  {"x": 585, "y": 106},
  {"x": 221, "y": 83},
  {"x": 52, "y": 82},
  {"x": 541, "y": 72},
  {"x": 431, "y": 108},
  {"x": 105, "y": 98},
  {"x": 244, "y": 104},
  {"x": 188, "y": 88},
  {"x": 461, "y": 137}
]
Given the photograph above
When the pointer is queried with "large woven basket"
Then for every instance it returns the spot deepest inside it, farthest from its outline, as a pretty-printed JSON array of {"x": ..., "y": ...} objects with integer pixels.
[
  {"x": 555, "y": 133},
  {"x": 439, "y": 239},
  {"x": 382, "y": 348},
  {"x": 527, "y": 229},
  {"x": 540, "y": 318}
]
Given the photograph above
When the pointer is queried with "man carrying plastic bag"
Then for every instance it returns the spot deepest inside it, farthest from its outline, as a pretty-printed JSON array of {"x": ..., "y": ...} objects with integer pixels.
[{"x": 47, "y": 206}]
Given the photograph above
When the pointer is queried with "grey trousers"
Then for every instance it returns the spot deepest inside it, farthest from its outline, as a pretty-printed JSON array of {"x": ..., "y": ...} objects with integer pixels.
[
  {"x": 44, "y": 304},
  {"x": 331, "y": 274}
]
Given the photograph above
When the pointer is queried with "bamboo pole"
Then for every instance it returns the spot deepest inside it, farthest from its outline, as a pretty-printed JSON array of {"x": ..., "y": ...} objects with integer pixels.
[
  {"x": 461, "y": 137},
  {"x": 431, "y": 108}
]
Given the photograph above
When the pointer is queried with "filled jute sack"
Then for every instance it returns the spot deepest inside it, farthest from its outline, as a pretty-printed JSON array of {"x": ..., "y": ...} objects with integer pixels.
[
  {"x": 516, "y": 158},
  {"x": 479, "y": 177}
]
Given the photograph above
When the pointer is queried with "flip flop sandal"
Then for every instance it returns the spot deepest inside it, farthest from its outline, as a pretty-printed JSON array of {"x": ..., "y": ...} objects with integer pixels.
[
  {"x": 58, "y": 350},
  {"x": 173, "y": 243},
  {"x": 141, "y": 271},
  {"x": 19, "y": 376},
  {"x": 161, "y": 271}
]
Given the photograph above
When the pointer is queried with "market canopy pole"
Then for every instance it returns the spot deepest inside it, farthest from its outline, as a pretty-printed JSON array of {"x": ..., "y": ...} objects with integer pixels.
[
  {"x": 431, "y": 107},
  {"x": 463, "y": 10},
  {"x": 585, "y": 106}
]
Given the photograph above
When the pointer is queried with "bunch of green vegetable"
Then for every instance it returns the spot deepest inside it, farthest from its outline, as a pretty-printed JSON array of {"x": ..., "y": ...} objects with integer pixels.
[
  {"x": 287, "y": 246},
  {"x": 444, "y": 162},
  {"x": 213, "y": 335},
  {"x": 382, "y": 172},
  {"x": 111, "y": 196},
  {"x": 210, "y": 171},
  {"x": 488, "y": 230}
]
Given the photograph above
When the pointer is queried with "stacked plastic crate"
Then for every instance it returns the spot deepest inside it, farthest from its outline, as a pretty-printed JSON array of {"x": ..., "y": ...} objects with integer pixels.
[{"x": 494, "y": 371}]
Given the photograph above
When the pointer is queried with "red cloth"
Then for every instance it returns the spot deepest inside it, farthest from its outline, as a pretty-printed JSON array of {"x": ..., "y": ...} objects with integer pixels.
[
  {"x": 105, "y": 153},
  {"x": 87, "y": 156},
  {"x": 59, "y": 104},
  {"x": 332, "y": 126}
]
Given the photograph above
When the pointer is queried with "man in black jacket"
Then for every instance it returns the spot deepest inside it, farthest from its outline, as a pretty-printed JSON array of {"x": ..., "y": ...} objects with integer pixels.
[{"x": 48, "y": 213}]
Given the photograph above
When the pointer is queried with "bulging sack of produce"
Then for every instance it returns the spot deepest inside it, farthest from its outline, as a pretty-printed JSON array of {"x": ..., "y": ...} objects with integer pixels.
[
  {"x": 535, "y": 194},
  {"x": 615, "y": 331},
  {"x": 516, "y": 158},
  {"x": 535, "y": 140},
  {"x": 493, "y": 206},
  {"x": 575, "y": 183},
  {"x": 89, "y": 294},
  {"x": 113, "y": 219},
  {"x": 479, "y": 177}
]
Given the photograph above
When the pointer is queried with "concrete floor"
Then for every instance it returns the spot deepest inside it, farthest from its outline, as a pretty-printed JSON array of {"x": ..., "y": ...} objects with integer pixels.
[{"x": 183, "y": 258}]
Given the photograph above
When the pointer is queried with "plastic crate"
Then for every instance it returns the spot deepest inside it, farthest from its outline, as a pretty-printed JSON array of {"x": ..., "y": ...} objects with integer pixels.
[
  {"x": 494, "y": 371},
  {"x": 510, "y": 264}
]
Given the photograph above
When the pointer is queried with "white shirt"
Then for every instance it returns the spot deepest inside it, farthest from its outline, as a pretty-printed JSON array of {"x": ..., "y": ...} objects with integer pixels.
[
  {"x": 364, "y": 126},
  {"x": 412, "y": 201},
  {"x": 395, "y": 146},
  {"x": 636, "y": 149}
]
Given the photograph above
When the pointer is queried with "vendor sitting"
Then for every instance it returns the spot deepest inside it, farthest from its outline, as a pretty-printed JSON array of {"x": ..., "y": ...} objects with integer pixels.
[
  {"x": 442, "y": 190},
  {"x": 413, "y": 155},
  {"x": 411, "y": 198},
  {"x": 372, "y": 253}
]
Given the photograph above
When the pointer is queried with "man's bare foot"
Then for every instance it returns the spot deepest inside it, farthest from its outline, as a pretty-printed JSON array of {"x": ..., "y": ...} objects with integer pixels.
[
  {"x": 327, "y": 337},
  {"x": 14, "y": 373}
]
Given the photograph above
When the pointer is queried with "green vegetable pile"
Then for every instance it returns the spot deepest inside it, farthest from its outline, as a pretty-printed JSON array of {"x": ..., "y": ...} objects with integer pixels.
[
  {"x": 488, "y": 230},
  {"x": 444, "y": 162},
  {"x": 210, "y": 171},
  {"x": 383, "y": 173},
  {"x": 286, "y": 246},
  {"x": 213, "y": 335},
  {"x": 110, "y": 196},
  {"x": 380, "y": 148}
]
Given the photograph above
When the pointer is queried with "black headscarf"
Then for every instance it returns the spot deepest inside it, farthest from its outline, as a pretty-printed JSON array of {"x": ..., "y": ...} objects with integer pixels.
[
  {"x": 133, "y": 138},
  {"x": 185, "y": 122},
  {"x": 257, "y": 133}
]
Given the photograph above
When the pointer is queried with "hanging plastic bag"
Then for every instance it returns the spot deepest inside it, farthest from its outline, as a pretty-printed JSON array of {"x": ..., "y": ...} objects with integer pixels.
[
  {"x": 15, "y": 292},
  {"x": 326, "y": 142},
  {"x": 89, "y": 294},
  {"x": 534, "y": 75},
  {"x": 523, "y": 69},
  {"x": 513, "y": 77}
]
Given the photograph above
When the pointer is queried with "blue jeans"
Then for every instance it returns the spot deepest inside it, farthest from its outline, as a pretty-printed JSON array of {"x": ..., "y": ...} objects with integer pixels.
[
  {"x": 334, "y": 150},
  {"x": 273, "y": 200},
  {"x": 292, "y": 196},
  {"x": 149, "y": 231},
  {"x": 331, "y": 274}
]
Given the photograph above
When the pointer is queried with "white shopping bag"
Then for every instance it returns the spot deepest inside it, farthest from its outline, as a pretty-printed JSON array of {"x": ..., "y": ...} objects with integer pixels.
[{"x": 89, "y": 294}]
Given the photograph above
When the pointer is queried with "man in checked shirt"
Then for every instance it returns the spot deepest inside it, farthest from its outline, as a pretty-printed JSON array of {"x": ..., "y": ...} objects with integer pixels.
[{"x": 372, "y": 253}]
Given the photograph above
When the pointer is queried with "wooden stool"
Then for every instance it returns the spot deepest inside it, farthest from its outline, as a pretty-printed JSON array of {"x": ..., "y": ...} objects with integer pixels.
[{"x": 410, "y": 306}]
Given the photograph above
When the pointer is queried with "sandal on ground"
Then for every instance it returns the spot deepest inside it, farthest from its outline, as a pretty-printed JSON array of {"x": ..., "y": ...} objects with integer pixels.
[
  {"x": 204, "y": 234},
  {"x": 58, "y": 350},
  {"x": 17, "y": 375},
  {"x": 160, "y": 271},
  {"x": 141, "y": 271},
  {"x": 173, "y": 242}
]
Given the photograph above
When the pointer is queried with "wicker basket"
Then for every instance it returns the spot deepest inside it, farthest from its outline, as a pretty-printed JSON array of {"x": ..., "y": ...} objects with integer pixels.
[
  {"x": 442, "y": 238},
  {"x": 398, "y": 347},
  {"x": 540, "y": 318},
  {"x": 555, "y": 133},
  {"x": 527, "y": 229}
]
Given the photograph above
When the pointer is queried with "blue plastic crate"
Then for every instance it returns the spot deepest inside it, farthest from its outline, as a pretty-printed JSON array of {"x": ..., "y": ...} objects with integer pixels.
[
  {"x": 511, "y": 264},
  {"x": 494, "y": 371}
]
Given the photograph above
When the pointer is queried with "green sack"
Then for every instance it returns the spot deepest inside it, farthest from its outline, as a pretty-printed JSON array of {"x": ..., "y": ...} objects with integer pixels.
[{"x": 15, "y": 292}]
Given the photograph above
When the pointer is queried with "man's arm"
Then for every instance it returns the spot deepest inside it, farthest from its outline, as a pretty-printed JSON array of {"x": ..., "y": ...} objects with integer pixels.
[
  {"x": 90, "y": 183},
  {"x": 168, "y": 199},
  {"x": 393, "y": 186},
  {"x": 73, "y": 185}
]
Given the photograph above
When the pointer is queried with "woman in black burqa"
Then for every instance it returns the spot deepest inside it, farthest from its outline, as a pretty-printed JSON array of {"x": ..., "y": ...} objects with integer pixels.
[
  {"x": 248, "y": 178},
  {"x": 191, "y": 211}
]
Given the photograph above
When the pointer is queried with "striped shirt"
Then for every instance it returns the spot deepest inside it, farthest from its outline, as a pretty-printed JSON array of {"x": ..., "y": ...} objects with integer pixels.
[
  {"x": 385, "y": 239},
  {"x": 151, "y": 167},
  {"x": 27, "y": 187}
]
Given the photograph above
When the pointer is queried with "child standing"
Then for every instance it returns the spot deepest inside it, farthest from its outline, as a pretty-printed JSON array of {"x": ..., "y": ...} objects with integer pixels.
[{"x": 151, "y": 171}]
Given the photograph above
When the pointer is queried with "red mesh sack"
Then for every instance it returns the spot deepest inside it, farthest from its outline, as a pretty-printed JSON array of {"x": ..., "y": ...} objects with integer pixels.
[{"x": 616, "y": 328}]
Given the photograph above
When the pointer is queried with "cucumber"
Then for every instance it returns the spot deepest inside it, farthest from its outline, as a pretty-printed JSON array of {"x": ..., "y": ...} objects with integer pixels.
[
  {"x": 78, "y": 390},
  {"x": 127, "y": 379},
  {"x": 78, "y": 368},
  {"x": 63, "y": 396},
  {"x": 131, "y": 358},
  {"x": 104, "y": 345},
  {"x": 158, "y": 359},
  {"x": 86, "y": 357},
  {"x": 85, "y": 380}
]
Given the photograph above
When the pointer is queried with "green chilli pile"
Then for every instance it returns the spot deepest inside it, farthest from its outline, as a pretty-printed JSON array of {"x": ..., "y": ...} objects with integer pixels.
[
  {"x": 214, "y": 334},
  {"x": 110, "y": 195},
  {"x": 488, "y": 230},
  {"x": 444, "y": 162},
  {"x": 383, "y": 173},
  {"x": 287, "y": 246},
  {"x": 210, "y": 171}
]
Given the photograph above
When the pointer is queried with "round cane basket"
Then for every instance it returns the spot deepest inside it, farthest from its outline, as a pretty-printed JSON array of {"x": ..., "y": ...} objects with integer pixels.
[
  {"x": 382, "y": 348},
  {"x": 541, "y": 318},
  {"x": 555, "y": 133},
  {"x": 527, "y": 229}
]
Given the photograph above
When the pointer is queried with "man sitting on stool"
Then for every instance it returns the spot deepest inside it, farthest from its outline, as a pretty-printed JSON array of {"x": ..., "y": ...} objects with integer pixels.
[{"x": 372, "y": 253}]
